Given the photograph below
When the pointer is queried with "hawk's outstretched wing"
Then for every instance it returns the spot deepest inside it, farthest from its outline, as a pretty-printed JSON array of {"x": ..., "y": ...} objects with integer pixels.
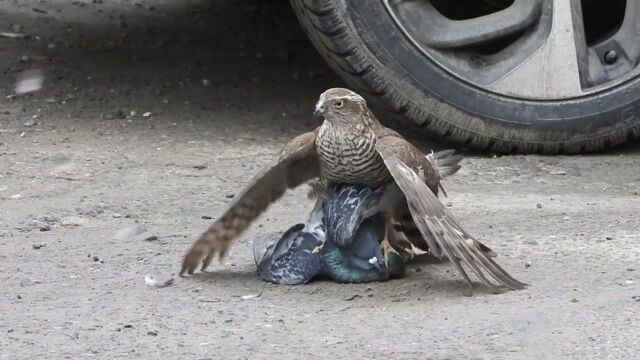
[
  {"x": 439, "y": 228},
  {"x": 296, "y": 164}
]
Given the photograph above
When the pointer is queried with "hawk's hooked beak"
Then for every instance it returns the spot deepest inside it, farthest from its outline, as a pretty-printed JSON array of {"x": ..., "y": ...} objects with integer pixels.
[{"x": 319, "y": 110}]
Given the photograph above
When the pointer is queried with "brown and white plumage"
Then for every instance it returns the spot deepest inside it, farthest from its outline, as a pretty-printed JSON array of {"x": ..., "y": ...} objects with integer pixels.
[{"x": 353, "y": 147}]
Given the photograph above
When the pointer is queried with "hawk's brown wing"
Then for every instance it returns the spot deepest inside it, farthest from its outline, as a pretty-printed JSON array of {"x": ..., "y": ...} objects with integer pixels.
[
  {"x": 296, "y": 164},
  {"x": 440, "y": 229}
]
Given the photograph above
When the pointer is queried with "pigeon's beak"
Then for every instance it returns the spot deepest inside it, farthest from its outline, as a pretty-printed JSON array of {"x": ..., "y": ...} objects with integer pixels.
[{"x": 319, "y": 110}]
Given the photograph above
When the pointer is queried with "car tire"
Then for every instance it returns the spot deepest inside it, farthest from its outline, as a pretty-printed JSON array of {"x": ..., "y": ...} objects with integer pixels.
[{"x": 362, "y": 43}]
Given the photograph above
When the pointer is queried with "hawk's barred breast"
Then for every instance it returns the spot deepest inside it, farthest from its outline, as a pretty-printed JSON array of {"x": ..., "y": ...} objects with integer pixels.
[{"x": 349, "y": 158}]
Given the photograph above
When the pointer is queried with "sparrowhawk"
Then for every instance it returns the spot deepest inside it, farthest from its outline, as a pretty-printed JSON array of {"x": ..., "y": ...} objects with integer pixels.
[{"x": 353, "y": 147}]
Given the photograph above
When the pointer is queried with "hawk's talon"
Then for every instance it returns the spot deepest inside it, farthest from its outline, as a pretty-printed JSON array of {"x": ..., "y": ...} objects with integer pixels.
[
  {"x": 318, "y": 248},
  {"x": 387, "y": 248}
]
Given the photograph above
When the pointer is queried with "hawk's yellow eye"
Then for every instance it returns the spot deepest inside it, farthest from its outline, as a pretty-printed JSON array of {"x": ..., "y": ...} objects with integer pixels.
[{"x": 338, "y": 104}]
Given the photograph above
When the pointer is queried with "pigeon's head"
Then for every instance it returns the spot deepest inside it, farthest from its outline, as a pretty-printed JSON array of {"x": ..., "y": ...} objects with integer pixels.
[{"x": 342, "y": 107}]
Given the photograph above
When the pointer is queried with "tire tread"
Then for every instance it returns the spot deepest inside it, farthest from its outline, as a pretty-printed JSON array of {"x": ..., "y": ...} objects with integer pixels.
[{"x": 326, "y": 25}]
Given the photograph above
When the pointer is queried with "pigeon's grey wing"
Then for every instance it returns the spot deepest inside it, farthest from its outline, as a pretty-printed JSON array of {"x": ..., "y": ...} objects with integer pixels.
[
  {"x": 438, "y": 226},
  {"x": 297, "y": 164},
  {"x": 291, "y": 260},
  {"x": 344, "y": 209},
  {"x": 274, "y": 244}
]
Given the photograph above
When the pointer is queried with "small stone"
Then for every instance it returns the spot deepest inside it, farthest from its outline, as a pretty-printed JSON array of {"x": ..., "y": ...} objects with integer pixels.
[
  {"x": 574, "y": 300},
  {"x": 19, "y": 296},
  {"x": 128, "y": 326},
  {"x": 353, "y": 297},
  {"x": 29, "y": 124},
  {"x": 539, "y": 206},
  {"x": 145, "y": 236},
  {"x": 133, "y": 113},
  {"x": 95, "y": 258},
  {"x": 449, "y": 204},
  {"x": 609, "y": 238},
  {"x": 230, "y": 195},
  {"x": 44, "y": 227},
  {"x": 206, "y": 217},
  {"x": 38, "y": 246},
  {"x": 116, "y": 216},
  {"x": 531, "y": 242},
  {"x": 147, "y": 114},
  {"x": 200, "y": 167},
  {"x": 527, "y": 264},
  {"x": 152, "y": 333}
]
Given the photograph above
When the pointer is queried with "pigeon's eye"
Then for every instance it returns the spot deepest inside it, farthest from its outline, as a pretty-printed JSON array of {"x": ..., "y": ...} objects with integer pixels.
[{"x": 338, "y": 104}]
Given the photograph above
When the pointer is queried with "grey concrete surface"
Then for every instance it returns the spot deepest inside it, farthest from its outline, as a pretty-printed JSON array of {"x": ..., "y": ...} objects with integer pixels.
[{"x": 226, "y": 83}]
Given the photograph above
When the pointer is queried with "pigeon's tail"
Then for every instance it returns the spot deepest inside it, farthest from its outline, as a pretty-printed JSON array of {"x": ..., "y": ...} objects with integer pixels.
[{"x": 262, "y": 245}]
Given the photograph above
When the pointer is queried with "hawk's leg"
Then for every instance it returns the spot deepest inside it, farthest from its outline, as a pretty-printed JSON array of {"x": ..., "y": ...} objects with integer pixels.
[
  {"x": 387, "y": 248},
  {"x": 392, "y": 258}
]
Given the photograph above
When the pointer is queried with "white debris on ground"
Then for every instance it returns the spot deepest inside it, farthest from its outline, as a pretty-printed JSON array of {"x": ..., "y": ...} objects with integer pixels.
[
  {"x": 29, "y": 81},
  {"x": 252, "y": 296},
  {"x": 158, "y": 284}
]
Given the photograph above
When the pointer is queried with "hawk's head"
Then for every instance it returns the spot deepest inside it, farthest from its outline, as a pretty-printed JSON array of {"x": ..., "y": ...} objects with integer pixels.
[{"x": 343, "y": 107}]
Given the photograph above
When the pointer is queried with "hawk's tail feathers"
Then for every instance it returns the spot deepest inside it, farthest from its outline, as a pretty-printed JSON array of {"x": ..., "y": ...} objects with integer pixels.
[{"x": 446, "y": 162}]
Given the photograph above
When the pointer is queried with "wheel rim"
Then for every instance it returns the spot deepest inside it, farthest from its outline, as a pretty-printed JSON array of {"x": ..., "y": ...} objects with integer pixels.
[{"x": 528, "y": 49}]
